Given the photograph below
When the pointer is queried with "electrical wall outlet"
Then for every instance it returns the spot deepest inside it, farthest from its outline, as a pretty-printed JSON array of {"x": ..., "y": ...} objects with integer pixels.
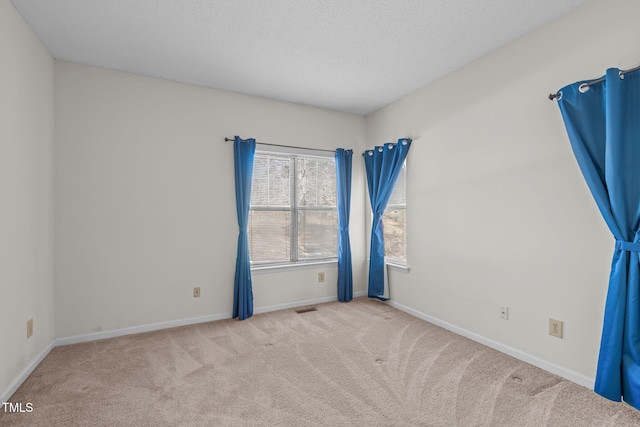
[
  {"x": 29, "y": 328},
  {"x": 504, "y": 313},
  {"x": 321, "y": 277},
  {"x": 555, "y": 328},
  {"x": 196, "y": 292}
]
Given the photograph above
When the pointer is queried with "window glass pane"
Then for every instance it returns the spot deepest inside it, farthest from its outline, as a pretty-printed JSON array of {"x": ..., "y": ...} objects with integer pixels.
[
  {"x": 317, "y": 234},
  {"x": 399, "y": 195},
  {"x": 271, "y": 180},
  {"x": 269, "y": 236},
  {"x": 316, "y": 182},
  {"x": 260, "y": 183},
  {"x": 275, "y": 206},
  {"x": 394, "y": 222}
]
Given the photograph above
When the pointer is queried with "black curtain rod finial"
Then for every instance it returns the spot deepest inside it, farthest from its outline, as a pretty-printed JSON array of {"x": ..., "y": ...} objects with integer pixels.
[{"x": 553, "y": 96}]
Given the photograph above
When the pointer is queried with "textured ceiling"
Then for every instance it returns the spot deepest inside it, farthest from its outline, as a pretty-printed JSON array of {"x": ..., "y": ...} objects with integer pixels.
[{"x": 347, "y": 55}]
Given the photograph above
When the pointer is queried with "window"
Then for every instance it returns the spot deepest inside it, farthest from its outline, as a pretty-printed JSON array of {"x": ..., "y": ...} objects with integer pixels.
[
  {"x": 395, "y": 222},
  {"x": 293, "y": 216}
]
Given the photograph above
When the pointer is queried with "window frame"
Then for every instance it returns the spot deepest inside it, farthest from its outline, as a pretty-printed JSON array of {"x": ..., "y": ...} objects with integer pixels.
[{"x": 294, "y": 209}]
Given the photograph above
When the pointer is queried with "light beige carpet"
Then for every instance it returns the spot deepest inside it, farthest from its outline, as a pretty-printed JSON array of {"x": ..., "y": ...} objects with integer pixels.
[{"x": 357, "y": 364}]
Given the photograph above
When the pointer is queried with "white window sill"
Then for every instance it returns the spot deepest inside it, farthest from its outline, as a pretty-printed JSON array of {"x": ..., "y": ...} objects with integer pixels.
[
  {"x": 277, "y": 268},
  {"x": 399, "y": 267},
  {"x": 395, "y": 266}
]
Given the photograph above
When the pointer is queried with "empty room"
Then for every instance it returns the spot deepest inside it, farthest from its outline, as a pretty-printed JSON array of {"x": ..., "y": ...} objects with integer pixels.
[{"x": 319, "y": 213}]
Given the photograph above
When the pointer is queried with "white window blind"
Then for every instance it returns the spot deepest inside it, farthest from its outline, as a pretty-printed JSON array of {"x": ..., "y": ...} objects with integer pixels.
[{"x": 293, "y": 216}]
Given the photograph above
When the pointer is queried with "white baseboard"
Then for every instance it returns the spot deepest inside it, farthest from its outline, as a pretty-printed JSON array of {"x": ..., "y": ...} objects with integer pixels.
[
  {"x": 93, "y": 336},
  {"x": 27, "y": 371},
  {"x": 568, "y": 374},
  {"x": 294, "y": 304},
  {"x": 302, "y": 303},
  {"x": 148, "y": 328}
]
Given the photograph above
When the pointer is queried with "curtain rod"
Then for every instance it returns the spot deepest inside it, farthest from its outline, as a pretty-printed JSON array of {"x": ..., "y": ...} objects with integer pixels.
[
  {"x": 408, "y": 139},
  {"x": 285, "y": 146},
  {"x": 557, "y": 95}
]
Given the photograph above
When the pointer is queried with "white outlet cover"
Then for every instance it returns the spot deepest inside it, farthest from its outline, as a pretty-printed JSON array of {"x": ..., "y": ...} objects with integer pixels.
[{"x": 555, "y": 328}]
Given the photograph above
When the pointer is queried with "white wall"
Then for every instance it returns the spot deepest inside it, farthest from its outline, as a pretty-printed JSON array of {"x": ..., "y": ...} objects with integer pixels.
[
  {"x": 26, "y": 139},
  {"x": 145, "y": 200},
  {"x": 499, "y": 213}
]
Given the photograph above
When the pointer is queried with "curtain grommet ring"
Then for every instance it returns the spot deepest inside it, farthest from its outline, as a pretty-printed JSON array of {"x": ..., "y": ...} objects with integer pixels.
[
  {"x": 621, "y": 75},
  {"x": 584, "y": 87},
  {"x": 559, "y": 97}
]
